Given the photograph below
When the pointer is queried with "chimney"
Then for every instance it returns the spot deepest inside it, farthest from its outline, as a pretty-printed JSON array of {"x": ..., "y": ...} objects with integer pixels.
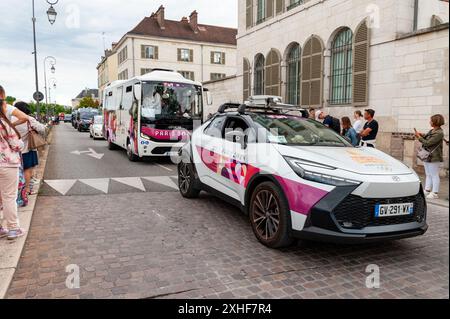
[
  {"x": 160, "y": 17},
  {"x": 185, "y": 20},
  {"x": 193, "y": 21}
]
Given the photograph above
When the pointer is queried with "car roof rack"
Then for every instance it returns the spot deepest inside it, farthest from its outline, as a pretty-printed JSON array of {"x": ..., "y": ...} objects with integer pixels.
[{"x": 263, "y": 103}]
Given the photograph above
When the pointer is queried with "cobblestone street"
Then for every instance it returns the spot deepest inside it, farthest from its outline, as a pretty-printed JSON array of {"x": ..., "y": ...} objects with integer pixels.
[{"x": 137, "y": 246}]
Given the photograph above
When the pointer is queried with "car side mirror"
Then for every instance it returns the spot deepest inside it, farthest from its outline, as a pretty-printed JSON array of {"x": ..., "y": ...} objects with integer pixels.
[{"x": 237, "y": 137}]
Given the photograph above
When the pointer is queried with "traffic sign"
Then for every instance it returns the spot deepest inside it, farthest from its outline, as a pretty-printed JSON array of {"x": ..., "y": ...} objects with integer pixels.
[{"x": 38, "y": 96}]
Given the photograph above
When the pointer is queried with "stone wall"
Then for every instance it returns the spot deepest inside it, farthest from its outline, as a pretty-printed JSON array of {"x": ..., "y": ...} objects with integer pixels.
[{"x": 222, "y": 91}]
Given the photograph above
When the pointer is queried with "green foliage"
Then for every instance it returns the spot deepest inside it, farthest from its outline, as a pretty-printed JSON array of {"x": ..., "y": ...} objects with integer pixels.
[
  {"x": 52, "y": 108},
  {"x": 10, "y": 100},
  {"x": 88, "y": 102}
]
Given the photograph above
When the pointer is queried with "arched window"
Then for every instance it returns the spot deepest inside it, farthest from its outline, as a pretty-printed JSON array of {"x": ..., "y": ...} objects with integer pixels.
[
  {"x": 246, "y": 78},
  {"x": 259, "y": 75},
  {"x": 293, "y": 75},
  {"x": 312, "y": 73},
  {"x": 272, "y": 73},
  {"x": 341, "y": 67}
]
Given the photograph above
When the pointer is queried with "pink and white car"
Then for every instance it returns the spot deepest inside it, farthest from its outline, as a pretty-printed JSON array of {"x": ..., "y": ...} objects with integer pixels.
[{"x": 296, "y": 178}]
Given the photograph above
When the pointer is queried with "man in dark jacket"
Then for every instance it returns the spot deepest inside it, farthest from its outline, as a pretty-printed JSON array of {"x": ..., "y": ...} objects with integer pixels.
[{"x": 329, "y": 121}]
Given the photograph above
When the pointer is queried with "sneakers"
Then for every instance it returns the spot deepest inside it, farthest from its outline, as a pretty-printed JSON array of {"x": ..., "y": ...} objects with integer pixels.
[
  {"x": 3, "y": 232},
  {"x": 15, "y": 233},
  {"x": 427, "y": 193},
  {"x": 433, "y": 196}
]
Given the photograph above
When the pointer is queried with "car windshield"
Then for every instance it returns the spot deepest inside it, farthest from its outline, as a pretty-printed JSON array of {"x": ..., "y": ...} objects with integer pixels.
[
  {"x": 87, "y": 116},
  {"x": 294, "y": 130},
  {"x": 170, "y": 101},
  {"x": 98, "y": 120}
]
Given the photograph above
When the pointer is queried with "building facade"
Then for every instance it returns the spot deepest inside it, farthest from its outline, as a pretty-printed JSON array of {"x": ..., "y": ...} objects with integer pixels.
[
  {"x": 199, "y": 52},
  {"x": 348, "y": 55},
  {"x": 107, "y": 70},
  {"x": 93, "y": 93}
]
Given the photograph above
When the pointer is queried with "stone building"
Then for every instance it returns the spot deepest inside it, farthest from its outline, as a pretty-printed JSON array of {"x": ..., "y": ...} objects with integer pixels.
[
  {"x": 107, "y": 70},
  {"x": 199, "y": 52},
  {"x": 93, "y": 93},
  {"x": 348, "y": 55}
]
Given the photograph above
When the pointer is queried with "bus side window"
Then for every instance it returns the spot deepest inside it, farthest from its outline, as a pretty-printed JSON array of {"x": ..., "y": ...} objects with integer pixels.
[{"x": 128, "y": 98}]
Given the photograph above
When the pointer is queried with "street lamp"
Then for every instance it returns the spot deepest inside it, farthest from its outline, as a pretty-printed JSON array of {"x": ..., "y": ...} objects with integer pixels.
[
  {"x": 53, "y": 69},
  {"x": 51, "y": 13},
  {"x": 52, "y": 82}
]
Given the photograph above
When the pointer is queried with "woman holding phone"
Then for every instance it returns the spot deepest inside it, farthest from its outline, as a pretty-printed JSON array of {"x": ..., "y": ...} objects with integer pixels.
[
  {"x": 10, "y": 161},
  {"x": 433, "y": 142}
]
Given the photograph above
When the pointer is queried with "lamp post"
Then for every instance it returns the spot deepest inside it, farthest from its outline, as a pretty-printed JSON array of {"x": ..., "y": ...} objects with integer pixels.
[
  {"x": 53, "y": 84},
  {"x": 51, "y": 14},
  {"x": 53, "y": 63}
]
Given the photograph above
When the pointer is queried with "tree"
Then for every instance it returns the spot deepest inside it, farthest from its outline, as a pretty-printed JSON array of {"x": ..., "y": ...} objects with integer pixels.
[
  {"x": 88, "y": 102},
  {"x": 10, "y": 100}
]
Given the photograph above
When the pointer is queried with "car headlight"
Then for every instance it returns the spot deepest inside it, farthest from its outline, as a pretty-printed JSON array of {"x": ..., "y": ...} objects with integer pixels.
[{"x": 303, "y": 169}]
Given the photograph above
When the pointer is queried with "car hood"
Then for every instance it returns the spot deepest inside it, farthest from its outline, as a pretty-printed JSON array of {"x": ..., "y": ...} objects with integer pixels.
[{"x": 364, "y": 161}]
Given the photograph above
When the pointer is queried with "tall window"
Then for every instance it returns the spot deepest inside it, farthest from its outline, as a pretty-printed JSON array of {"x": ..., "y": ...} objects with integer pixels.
[
  {"x": 188, "y": 75},
  {"x": 259, "y": 75},
  {"x": 122, "y": 55},
  {"x": 247, "y": 79},
  {"x": 293, "y": 75},
  {"x": 149, "y": 52},
  {"x": 217, "y": 57},
  {"x": 341, "y": 68},
  {"x": 123, "y": 75},
  {"x": 261, "y": 11},
  {"x": 185, "y": 55}
]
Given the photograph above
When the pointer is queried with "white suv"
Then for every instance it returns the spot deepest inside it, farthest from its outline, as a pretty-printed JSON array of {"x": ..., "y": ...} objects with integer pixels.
[{"x": 296, "y": 178}]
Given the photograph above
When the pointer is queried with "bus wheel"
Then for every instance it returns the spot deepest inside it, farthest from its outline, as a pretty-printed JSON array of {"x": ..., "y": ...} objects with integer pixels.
[{"x": 131, "y": 156}]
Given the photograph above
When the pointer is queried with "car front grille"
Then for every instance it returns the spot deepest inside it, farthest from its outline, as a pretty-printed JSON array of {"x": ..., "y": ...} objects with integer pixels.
[{"x": 356, "y": 212}]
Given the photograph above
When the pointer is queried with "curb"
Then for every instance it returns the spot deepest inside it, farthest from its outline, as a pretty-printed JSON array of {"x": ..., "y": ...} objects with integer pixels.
[{"x": 12, "y": 251}]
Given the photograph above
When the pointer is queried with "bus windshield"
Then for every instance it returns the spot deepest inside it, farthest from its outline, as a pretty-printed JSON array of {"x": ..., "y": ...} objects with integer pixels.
[{"x": 169, "y": 101}]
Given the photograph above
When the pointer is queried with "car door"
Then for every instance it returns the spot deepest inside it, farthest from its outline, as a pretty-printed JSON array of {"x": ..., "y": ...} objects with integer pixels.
[{"x": 208, "y": 149}]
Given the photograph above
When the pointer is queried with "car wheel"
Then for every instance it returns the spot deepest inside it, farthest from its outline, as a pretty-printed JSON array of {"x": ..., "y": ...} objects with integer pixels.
[
  {"x": 111, "y": 146},
  {"x": 187, "y": 180},
  {"x": 270, "y": 216},
  {"x": 131, "y": 156}
]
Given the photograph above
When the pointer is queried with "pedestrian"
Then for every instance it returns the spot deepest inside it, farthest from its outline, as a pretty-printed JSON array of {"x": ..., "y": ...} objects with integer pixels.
[
  {"x": 349, "y": 132},
  {"x": 370, "y": 130},
  {"x": 329, "y": 121},
  {"x": 312, "y": 113},
  {"x": 433, "y": 144},
  {"x": 10, "y": 161},
  {"x": 29, "y": 156},
  {"x": 358, "y": 125}
]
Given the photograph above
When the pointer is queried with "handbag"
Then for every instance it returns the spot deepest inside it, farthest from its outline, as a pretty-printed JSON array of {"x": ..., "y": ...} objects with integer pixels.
[
  {"x": 35, "y": 140},
  {"x": 424, "y": 155}
]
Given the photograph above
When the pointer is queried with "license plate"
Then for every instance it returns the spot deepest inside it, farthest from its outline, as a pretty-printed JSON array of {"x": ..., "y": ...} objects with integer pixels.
[{"x": 390, "y": 210}]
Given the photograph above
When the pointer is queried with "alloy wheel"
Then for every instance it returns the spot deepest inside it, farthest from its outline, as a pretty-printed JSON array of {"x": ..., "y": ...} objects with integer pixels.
[
  {"x": 184, "y": 177},
  {"x": 266, "y": 214}
]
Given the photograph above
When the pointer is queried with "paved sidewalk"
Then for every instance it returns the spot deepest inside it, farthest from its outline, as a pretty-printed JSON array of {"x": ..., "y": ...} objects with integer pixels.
[
  {"x": 443, "y": 194},
  {"x": 11, "y": 251}
]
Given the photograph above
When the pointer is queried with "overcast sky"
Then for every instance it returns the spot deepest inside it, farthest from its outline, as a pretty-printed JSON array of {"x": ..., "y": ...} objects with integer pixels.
[{"x": 76, "y": 39}]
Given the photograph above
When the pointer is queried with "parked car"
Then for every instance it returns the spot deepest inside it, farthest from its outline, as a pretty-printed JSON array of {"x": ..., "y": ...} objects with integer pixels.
[
  {"x": 96, "y": 127},
  {"x": 84, "y": 119},
  {"x": 296, "y": 178},
  {"x": 74, "y": 119},
  {"x": 68, "y": 118}
]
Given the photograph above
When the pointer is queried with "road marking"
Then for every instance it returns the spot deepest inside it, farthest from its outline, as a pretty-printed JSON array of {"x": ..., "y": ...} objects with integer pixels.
[
  {"x": 166, "y": 168},
  {"x": 131, "y": 181},
  {"x": 99, "y": 184},
  {"x": 163, "y": 180},
  {"x": 90, "y": 153},
  {"x": 62, "y": 186}
]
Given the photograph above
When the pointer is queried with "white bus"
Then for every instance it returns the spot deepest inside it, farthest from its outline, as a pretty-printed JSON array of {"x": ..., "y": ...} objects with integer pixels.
[{"x": 153, "y": 114}]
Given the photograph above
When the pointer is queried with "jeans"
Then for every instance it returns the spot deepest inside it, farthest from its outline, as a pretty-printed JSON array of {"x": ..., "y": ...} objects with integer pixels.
[
  {"x": 9, "y": 184},
  {"x": 433, "y": 181}
]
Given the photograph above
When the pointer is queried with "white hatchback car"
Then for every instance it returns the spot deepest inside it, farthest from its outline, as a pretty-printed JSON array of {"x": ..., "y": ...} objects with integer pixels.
[
  {"x": 96, "y": 127},
  {"x": 296, "y": 178}
]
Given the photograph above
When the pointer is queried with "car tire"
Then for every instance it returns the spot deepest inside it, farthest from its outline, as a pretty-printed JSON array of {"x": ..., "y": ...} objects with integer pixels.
[
  {"x": 270, "y": 216},
  {"x": 111, "y": 146},
  {"x": 131, "y": 156},
  {"x": 187, "y": 180}
]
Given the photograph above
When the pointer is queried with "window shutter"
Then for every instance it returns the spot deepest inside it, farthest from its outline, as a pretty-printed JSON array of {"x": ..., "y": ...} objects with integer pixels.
[
  {"x": 179, "y": 54},
  {"x": 249, "y": 13},
  {"x": 246, "y": 84},
  {"x": 269, "y": 8},
  {"x": 191, "y": 55},
  {"x": 312, "y": 76},
  {"x": 143, "y": 51},
  {"x": 279, "y": 6},
  {"x": 156, "y": 50},
  {"x": 212, "y": 57},
  {"x": 192, "y": 76},
  {"x": 361, "y": 65},
  {"x": 272, "y": 74},
  {"x": 223, "y": 57}
]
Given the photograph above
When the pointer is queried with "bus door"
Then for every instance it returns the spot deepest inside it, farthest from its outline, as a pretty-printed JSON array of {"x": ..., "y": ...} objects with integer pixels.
[{"x": 124, "y": 115}]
